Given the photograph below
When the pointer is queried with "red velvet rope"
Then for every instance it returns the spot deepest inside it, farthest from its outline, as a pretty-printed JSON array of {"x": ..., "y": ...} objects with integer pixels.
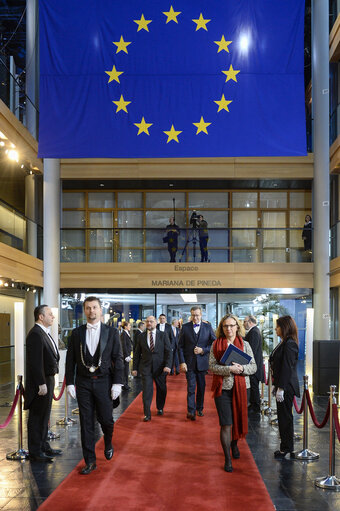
[
  {"x": 61, "y": 391},
  {"x": 264, "y": 375},
  {"x": 296, "y": 406},
  {"x": 336, "y": 420},
  {"x": 325, "y": 420},
  {"x": 10, "y": 415}
]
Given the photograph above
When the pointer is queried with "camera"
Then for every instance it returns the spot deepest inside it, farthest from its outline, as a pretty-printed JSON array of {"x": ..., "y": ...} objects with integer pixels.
[{"x": 194, "y": 220}]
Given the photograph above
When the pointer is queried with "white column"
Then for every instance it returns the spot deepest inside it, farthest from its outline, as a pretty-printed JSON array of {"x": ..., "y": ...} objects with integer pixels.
[
  {"x": 51, "y": 199},
  {"x": 309, "y": 344},
  {"x": 32, "y": 65},
  {"x": 320, "y": 91},
  {"x": 19, "y": 337}
]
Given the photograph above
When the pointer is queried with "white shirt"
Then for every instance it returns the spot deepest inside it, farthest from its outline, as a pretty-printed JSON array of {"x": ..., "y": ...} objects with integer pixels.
[
  {"x": 174, "y": 330},
  {"x": 92, "y": 337},
  {"x": 47, "y": 331},
  {"x": 197, "y": 328},
  {"x": 153, "y": 336},
  {"x": 162, "y": 327}
]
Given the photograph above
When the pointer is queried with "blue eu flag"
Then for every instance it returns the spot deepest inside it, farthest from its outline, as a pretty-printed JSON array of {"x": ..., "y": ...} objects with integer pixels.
[{"x": 171, "y": 78}]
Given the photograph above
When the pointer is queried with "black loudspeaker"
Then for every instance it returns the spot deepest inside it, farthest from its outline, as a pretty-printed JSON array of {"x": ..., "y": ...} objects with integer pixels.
[{"x": 326, "y": 356}]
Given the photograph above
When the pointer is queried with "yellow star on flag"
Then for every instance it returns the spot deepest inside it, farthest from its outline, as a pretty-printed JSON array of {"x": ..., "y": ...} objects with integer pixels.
[
  {"x": 171, "y": 15},
  {"x": 114, "y": 74},
  {"x": 143, "y": 127},
  {"x": 223, "y": 104},
  {"x": 142, "y": 23},
  {"x": 231, "y": 74},
  {"x": 172, "y": 134},
  {"x": 223, "y": 44},
  {"x": 121, "y": 104},
  {"x": 201, "y": 23},
  {"x": 121, "y": 45},
  {"x": 201, "y": 126}
]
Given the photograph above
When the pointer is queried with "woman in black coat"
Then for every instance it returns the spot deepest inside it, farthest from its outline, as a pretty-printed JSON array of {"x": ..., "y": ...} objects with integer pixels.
[
  {"x": 307, "y": 233},
  {"x": 283, "y": 360}
]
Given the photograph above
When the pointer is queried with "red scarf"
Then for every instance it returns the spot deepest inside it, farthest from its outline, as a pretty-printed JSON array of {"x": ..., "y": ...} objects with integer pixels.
[{"x": 239, "y": 403}]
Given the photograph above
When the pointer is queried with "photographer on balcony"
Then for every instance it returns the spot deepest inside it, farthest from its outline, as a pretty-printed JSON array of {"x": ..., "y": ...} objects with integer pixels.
[{"x": 171, "y": 238}]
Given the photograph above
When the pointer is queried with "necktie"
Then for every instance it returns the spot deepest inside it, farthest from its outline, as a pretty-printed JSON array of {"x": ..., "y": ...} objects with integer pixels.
[
  {"x": 152, "y": 345},
  {"x": 92, "y": 334}
]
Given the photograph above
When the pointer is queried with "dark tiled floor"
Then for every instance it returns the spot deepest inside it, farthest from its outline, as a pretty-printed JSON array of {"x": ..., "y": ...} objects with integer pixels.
[{"x": 24, "y": 485}]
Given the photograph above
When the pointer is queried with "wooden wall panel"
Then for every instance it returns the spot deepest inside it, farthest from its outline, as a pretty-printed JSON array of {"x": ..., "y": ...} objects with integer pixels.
[{"x": 17, "y": 265}]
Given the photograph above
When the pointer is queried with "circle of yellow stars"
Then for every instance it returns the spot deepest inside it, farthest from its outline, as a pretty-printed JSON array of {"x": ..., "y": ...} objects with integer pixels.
[{"x": 122, "y": 45}]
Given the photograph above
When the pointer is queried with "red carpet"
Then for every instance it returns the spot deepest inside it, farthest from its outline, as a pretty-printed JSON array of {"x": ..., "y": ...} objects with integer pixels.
[{"x": 170, "y": 464}]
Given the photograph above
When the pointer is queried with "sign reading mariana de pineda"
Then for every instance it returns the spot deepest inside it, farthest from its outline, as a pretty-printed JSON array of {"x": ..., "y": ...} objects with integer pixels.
[{"x": 187, "y": 283}]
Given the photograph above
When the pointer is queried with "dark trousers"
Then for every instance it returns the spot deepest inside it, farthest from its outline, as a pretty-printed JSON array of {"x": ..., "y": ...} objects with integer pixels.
[
  {"x": 147, "y": 385},
  {"x": 126, "y": 373},
  {"x": 204, "y": 249},
  {"x": 94, "y": 399},
  {"x": 38, "y": 417},
  {"x": 195, "y": 390},
  {"x": 175, "y": 360},
  {"x": 172, "y": 252},
  {"x": 285, "y": 418},
  {"x": 254, "y": 400}
]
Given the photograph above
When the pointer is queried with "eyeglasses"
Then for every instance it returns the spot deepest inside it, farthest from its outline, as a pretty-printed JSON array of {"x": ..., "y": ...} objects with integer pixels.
[{"x": 230, "y": 326}]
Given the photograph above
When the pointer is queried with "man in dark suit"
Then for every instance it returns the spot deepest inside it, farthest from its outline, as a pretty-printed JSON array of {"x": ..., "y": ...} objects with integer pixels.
[
  {"x": 153, "y": 355},
  {"x": 164, "y": 326},
  {"x": 126, "y": 343},
  {"x": 94, "y": 363},
  {"x": 175, "y": 334},
  {"x": 255, "y": 340},
  {"x": 42, "y": 359},
  {"x": 194, "y": 345}
]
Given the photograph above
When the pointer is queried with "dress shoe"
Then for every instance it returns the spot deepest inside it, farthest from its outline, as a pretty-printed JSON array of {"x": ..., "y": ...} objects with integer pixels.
[
  {"x": 228, "y": 466},
  {"x": 234, "y": 449},
  {"x": 147, "y": 418},
  {"x": 40, "y": 457},
  {"x": 177, "y": 373},
  {"x": 126, "y": 387},
  {"x": 200, "y": 413},
  {"x": 160, "y": 412},
  {"x": 108, "y": 453},
  {"x": 90, "y": 467},
  {"x": 281, "y": 454},
  {"x": 53, "y": 452},
  {"x": 191, "y": 416}
]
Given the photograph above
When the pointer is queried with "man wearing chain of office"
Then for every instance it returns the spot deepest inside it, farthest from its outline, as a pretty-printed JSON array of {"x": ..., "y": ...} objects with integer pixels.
[{"x": 94, "y": 375}]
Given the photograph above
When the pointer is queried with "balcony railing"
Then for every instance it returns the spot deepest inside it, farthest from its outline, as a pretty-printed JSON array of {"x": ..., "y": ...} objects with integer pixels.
[
  {"x": 251, "y": 245},
  {"x": 19, "y": 232}
]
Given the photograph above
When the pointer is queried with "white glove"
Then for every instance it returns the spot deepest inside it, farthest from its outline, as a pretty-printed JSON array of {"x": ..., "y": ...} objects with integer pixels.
[
  {"x": 127, "y": 359},
  {"x": 279, "y": 395},
  {"x": 116, "y": 389},
  {"x": 42, "y": 390},
  {"x": 71, "y": 390}
]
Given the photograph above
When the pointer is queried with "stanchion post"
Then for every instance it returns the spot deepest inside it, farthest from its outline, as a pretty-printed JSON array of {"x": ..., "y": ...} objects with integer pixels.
[
  {"x": 331, "y": 482},
  {"x": 66, "y": 421},
  {"x": 269, "y": 411},
  {"x": 20, "y": 454},
  {"x": 305, "y": 454}
]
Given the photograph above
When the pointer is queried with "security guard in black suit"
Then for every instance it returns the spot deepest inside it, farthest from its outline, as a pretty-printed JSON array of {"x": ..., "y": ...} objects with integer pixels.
[
  {"x": 42, "y": 359},
  {"x": 94, "y": 363}
]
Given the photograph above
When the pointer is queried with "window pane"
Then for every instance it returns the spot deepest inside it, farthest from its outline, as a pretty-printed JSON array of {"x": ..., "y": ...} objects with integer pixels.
[
  {"x": 131, "y": 238},
  {"x": 73, "y": 238},
  {"x": 296, "y": 220},
  {"x": 130, "y": 219},
  {"x": 274, "y": 256},
  {"x": 130, "y": 256},
  {"x": 101, "y": 220},
  {"x": 273, "y": 199},
  {"x": 73, "y": 200},
  {"x": 244, "y": 256},
  {"x": 244, "y": 200},
  {"x": 101, "y": 238},
  {"x": 160, "y": 219},
  {"x": 275, "y": 237},
  {"x": 163, "y": 200},
  {"x": 130, "y": 200},
  {"x": 100, "y": 256},
  {"x": 73, "y": 256},
  {"x": 74, "y": 219},
  {"x": 300, "y": 199},
  {"x": 101, "y": 200},
  {"x": 246, "y": 221},
  {"x": 199, "y": 200},
  {"x": 158, "y": 256}
]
